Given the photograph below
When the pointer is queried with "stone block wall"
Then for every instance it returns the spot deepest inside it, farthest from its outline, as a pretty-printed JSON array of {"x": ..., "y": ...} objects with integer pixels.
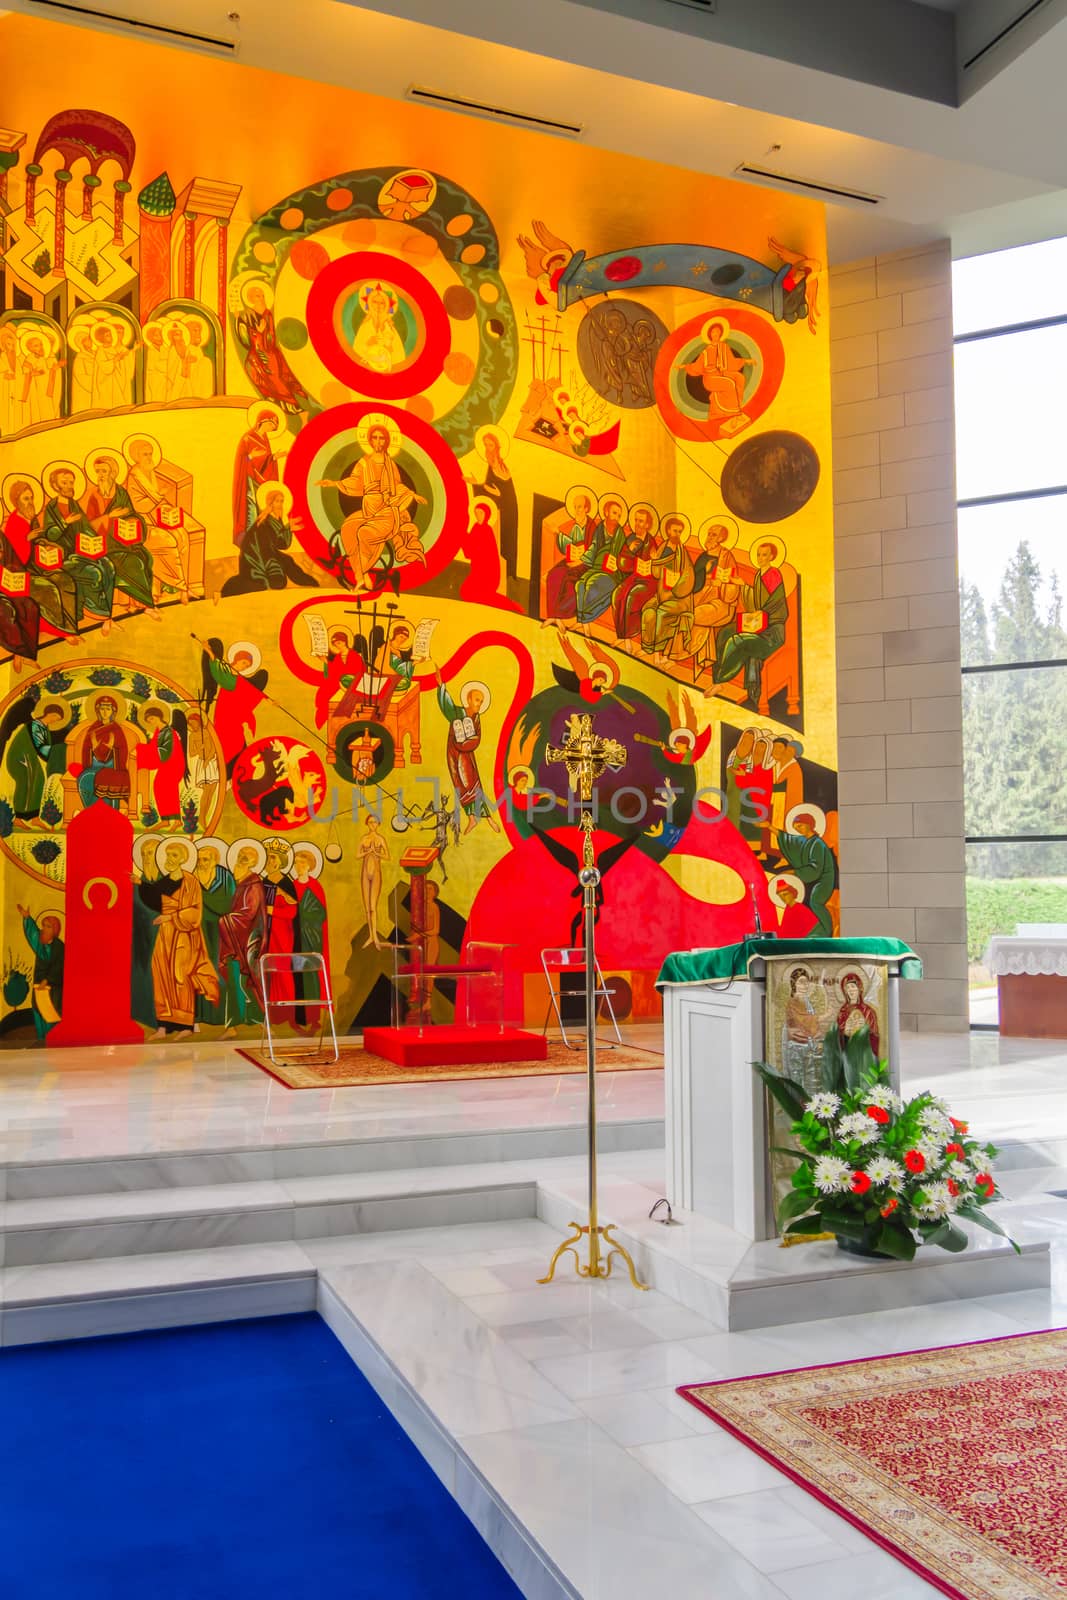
[{"x": 898, "y": 634}]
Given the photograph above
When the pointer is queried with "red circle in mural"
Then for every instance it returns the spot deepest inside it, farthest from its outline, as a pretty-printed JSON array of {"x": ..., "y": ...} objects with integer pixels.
[
  {"x": 326, "y": 317},
  {"x": 308, "y": 257},
  {"x": 317, "y": 435},
  {"x": 692, "y": 414},
  {"x": 279, "y": 783},
  {"x": 622, "y": 269}
]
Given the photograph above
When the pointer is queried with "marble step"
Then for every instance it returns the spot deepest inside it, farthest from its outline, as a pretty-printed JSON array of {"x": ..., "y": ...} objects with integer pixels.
[
  {"x": 129, "y": 1294},
  {"x": 150, "y": 1221},
  {"x": 38, "y": 1180}
]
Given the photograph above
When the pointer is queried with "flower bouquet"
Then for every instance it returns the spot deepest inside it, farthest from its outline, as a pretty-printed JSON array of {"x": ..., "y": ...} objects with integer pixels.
[{"x": 883, "y": 1175}]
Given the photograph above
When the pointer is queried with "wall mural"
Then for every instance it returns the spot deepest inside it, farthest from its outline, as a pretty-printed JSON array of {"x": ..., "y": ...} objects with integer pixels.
[{"x": 327, "y": 502}]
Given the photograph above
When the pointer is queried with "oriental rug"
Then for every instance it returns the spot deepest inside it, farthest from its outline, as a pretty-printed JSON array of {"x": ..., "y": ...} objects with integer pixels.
[
  {"x": 953, "y": 1460},
  {"x": 357, "y": 1068}
]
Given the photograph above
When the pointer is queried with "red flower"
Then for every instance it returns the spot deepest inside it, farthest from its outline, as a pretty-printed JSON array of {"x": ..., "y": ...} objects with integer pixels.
[
  {"x": 956, "y": 1151},
  {"x": 878, "y": 1114},
  {"x": 960, "y": 1127},
  {"x": 915, "y": 1161},
  {"x": 889, "y": 1207},
  {"x": 984, "y": 1184},
  {"x": 953, "y": 1187},
  {"x": 860, "y": 1183}
]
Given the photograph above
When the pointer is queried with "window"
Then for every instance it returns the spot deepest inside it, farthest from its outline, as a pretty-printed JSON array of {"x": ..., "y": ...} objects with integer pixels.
[{"x": 1011, "y": 450}]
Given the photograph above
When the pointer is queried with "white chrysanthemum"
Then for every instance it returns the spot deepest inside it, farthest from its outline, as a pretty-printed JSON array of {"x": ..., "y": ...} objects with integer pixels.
[
  {"x": 857, "y": 1125},
  {"x": 883, "y": 1170},
  {"x": 933, "y": 1151},
  {"x": 831, "y": 1175},
  {"x": 940, "y": 1202},
  {"x": 882, "y": 1095},
  {"x": 935, "y": 1123},
  {"x": 824, "y": 1106}
]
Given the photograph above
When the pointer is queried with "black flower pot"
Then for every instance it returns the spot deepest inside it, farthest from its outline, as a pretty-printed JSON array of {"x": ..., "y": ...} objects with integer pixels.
[{"x": 863, "y": 1246}]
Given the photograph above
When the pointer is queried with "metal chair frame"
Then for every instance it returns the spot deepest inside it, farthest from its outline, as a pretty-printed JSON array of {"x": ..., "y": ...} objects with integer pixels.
[
  {"x": 573, "y": 960},
  {"x": 297, "y": 964}
]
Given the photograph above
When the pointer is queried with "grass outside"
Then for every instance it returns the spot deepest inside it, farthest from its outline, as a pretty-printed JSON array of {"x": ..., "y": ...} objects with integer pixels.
[{"x": 997, "y": 905}]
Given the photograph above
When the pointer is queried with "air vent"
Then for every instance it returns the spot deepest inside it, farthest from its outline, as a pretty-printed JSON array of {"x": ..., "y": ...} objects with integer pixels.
[
  {"x": 1000, "y": 37},
  {"x": 89, "y": 16},
  {"x": 825, "y": 191},
  {"x": 477, "y": 108},
  {"x": 707, "y": 6}
]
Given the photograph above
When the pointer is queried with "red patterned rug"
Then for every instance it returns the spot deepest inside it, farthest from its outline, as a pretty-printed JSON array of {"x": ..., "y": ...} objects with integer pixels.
[
  {"x": 299, "y": 1068},
  {"x": 954, "y": 1460}
]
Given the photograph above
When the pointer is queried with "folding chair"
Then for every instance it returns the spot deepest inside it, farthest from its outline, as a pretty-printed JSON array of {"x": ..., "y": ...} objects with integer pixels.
[
  {"x": 572, "y": 959},
  {"x": 297, "y": 965}
]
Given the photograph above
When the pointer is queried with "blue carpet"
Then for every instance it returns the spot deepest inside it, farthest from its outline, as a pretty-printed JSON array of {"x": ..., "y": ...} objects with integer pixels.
[{"x": 245, "y": 1460}]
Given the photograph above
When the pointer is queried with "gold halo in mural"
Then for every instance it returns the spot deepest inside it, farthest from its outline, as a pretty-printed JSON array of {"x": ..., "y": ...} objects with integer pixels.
[
  {"x": 483, "y": 690},
  {"x": 244, "y": 647},
  {"x": 258, "y": 852},
  {"x": 209, "y": 842},
  {"x": 816, "y": 813},
  {"x": 720, "y": 521},
  {"x": 55, "y": 467},
  {"x": 577, "y": 492},
  {"x": 38, "y": 330},
  {"x": 264, "y": 492},
  {"x": 645, "y": 505},
  {"x": 136, "y": 441},
  {"x": 610, "y": 498},
  {"x": 367, "y": 425},
  {"x": 264, "y": 408},
  {"x": 502, "y": 438},
  {"x": 679, "y": 516},
  {"x": 772, "y": 539},
  {"x": 304, "y": 847},
  {"x": 784, "y": 880},
  {"x": 105, "y": 453},
  {"x": 176, "y": 841},
  {"x": 281, "y": 848},
  {"x": 13, "y": 481}
]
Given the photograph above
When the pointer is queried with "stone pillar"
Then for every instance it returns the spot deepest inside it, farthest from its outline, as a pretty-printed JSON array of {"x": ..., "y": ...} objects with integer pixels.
[
  {"x": 59, "y": 254},
  {"x": 900, "y": 692},
  {"x": 122, "y": 189},
  {"x": 33, "y": 172},
  {"x": 89, "y": 183},
  {"x": 189, "y": 256}
]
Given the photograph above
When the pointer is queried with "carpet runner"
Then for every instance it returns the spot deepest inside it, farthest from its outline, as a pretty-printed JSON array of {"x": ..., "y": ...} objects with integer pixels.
[
  {"x": 357, "y": 1068},
  {"x": 953, "y": 1460}
]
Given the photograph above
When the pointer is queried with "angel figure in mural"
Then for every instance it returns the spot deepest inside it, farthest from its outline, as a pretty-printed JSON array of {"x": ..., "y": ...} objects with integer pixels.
[
  {"x": 546, "y": 255},
  {"x": 803, "y": 270},
  {"x": 33, "y": 745},
  {"x": 234, "y": 682},
  {"x": 383, "y": 520},
  {"x": 267, "y": 369}
]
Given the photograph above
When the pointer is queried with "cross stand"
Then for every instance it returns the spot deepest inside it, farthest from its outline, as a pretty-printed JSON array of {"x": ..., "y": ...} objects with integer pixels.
[{"x": 586, "y": 755}]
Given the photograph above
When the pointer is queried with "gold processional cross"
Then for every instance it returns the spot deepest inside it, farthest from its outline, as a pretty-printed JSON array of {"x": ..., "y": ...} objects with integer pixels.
[{"x": 587, "y": 756}]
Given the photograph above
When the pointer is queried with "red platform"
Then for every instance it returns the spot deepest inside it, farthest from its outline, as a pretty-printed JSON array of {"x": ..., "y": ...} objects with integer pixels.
[{"x": 452, "y": 1046}]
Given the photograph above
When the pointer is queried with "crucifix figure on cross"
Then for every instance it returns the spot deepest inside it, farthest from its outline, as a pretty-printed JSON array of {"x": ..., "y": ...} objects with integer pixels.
[{"x": 587, "y": 756}]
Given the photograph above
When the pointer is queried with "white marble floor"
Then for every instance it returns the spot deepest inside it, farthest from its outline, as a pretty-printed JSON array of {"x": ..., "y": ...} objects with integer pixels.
[
  {"x": 76, "y": 1104},
  {"x": 561, "y": 1398}
]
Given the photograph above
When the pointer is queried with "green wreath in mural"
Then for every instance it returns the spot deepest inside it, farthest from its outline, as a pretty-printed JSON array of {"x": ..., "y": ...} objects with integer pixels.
[{"x": 412, "y": 302}]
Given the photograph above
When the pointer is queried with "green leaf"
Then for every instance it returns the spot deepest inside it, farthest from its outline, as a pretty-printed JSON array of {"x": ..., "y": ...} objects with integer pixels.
[
  {"x": 794, "y": 1204},
  {"x": 895, "y": 1240},
  {"x": 833, "y": 1063},
  {"x": 948, "y": 1237},
  {"x": 859, "y": 1057},
  {"x": 810, "y": 1224},
  {"x": 974, "y": 1213},
  {"x": 850, "y": 1223},
  {"x": 792, "y": 1097}
]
